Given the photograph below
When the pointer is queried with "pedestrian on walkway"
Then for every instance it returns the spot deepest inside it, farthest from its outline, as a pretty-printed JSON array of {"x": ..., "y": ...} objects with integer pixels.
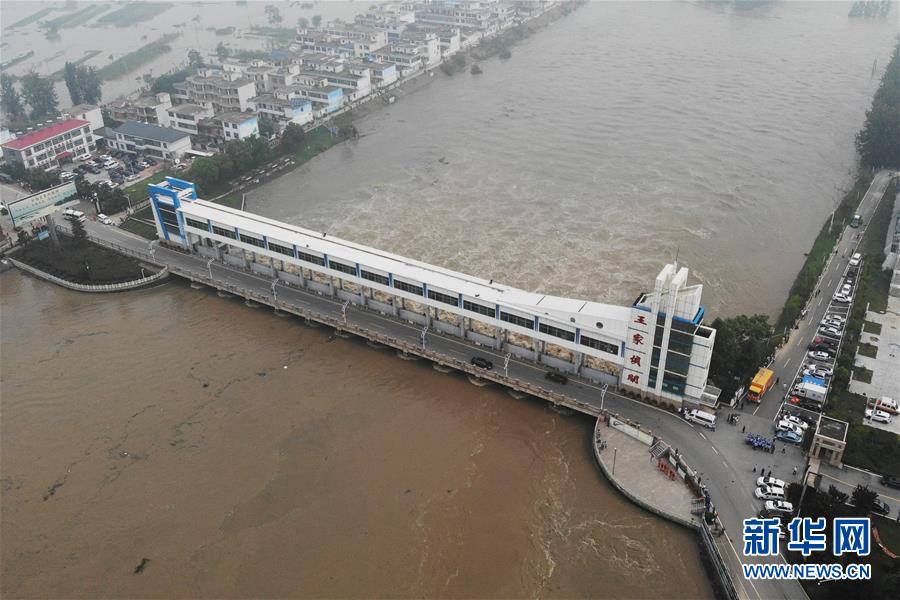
[
  {"x": 777, "y": 380},
  {"x": 795, "y": 470},
  {"x": 754, "y": 467},
  {"x": 782, "y": 449},
  {"x": 744, "y": 429}
]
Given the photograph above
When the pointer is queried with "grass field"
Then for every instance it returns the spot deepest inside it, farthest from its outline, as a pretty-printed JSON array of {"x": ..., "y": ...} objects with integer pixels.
[
  {"x": 32, "y": 18},
  {"x": 873, "y": 328},
  {"x": 134, "y": 60},
  {"x": 134, "y": 13},
  {"x": 61, "y": 74},
  {"x": 76, "y": 18}
]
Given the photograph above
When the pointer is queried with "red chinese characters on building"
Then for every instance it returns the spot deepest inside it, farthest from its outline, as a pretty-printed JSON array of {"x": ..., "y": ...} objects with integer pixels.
[
  {"x": 632, "y": 378},
  {"x": 635, "y": 360},
  {"x": 640, "y": 320},
  {"x": 638, "y": 339}
]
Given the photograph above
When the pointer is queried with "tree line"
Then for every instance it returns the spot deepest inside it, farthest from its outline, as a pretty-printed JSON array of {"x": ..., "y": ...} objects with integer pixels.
[
  {"x": 36, "y": 98},
  {"x": 878, "y": 143}
]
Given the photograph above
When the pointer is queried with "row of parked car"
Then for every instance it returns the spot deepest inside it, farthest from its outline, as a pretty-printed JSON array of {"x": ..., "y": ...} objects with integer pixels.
[{"x": 121, "y": 167}]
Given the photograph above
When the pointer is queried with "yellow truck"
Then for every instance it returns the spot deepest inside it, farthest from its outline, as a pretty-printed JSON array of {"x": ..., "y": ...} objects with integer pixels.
[{"x": 761, "y": 384}]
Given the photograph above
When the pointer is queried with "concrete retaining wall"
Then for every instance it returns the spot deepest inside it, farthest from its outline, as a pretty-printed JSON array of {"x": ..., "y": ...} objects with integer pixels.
[
  {"x": 237, "y": 261},
  {"x": 80, "y": 287},
  {"x": 262, "y": 269},
  {"x": 290, "y": 278},
  {"x": 599, "y": 376},
  {"x": 445, "y": 327},
  {"x": 519, "y": 351},
  {"x": 315, "y": 286},
  {"x": 557, "y": 363},
  {"x": 380, "y": 306},
  {"x": 415, "y": 317},
  {"x": 480, "y": 338},
  {"x": 353, "y": 298}
]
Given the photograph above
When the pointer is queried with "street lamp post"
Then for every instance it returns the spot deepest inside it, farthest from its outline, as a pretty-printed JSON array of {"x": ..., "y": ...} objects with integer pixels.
[
  {"x": 344, "y": 311},
  {"x": 274, "y": 293},
  {"x": 603, "y": 395},
  {"x": 506, "y": 364},
  {"x": 424, "y": 332},
  {"x": 209, "y": 267},
  {"x": 615, "y": 452}
]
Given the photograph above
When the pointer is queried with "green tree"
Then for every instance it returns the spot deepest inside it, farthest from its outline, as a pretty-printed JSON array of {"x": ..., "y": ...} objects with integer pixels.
[
  {"x": 743, "y": 344},
  {"x": 39, "y": 94},
  {"x": 302, "y": 22},
  {"x": 222, "y": 51},
  {"x": 91, "y": 87},
  {"x": 292, "y": 138},
  {"x": 79, "y": 233},
  {"x": 316, "y": 20},
  {"x": 266, "y": 127},
  {"x": 877, "y": 141},
  {"x": 9, "y": 97},
  {"x": 111, "y": 201},
  {"x": 72, "y": 84},
  {"x": 195, "y": 59},
  {"x": 863, "y": 500},
  {"x": 273, "y": 14},
  {"x": 39, "y": 179},
  {"x": 205, "y": 173}
]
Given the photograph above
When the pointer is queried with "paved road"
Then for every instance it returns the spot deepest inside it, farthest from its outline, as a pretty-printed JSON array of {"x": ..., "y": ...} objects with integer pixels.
[
  {"x": 725, "y": 461},
  {"x": 791, "y": 356}
]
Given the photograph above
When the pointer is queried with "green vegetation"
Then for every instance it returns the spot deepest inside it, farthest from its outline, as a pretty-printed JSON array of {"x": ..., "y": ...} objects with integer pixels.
[
  {"x": 877, "y": 142},
  {"x": 134, "y": 60},
  {"x": 39, "y": 94},
  {"x": 743, "y": 343},
  {"x": 282, "y": 34},
  {"x": 31, "y": 19},
  {"x": 138, "y": 191},
  {"x": 223, "y": 52},
  {"x": 457, "y": 63},
  {"x": 133, "y": 13},
  {"x": 79, "y": 261},
  {"x": 33, "y": 179},
  {"x": 18, "y": 59},
  {"x": 871, "y": 327},
  {"x": 817, "y": 503},
  {"x": 867, "y": 350},
  {"x": 83, "y": 84},
  {"x": 225, "y": 30},
  {"x": 10, "y": 100},
  {"x": 77, "y": 18},
  {"x": 862, "y": 374},
  {"x": 868, "y": 448},
  {"x": 61, "y": 74}
]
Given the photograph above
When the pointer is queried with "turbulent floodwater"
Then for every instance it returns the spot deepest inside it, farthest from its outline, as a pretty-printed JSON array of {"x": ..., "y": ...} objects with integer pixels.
[
  {"x": 613, "y": 140},
  {"x": 244, "y": 455}
]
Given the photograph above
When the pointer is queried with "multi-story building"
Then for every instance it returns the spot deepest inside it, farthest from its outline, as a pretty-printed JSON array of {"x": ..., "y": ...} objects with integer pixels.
[
  {"x": 187, "y": 117},
  {"x": 86, "y": 112},
  {"x": 48, "y": 146},
  {"x": 152, "y": 140},
  {"x": 599, "y": 342},
  {"x": 146, "y": 109},
  {"x": 667, "y": 349},
  {"x": 464, "y": 14},
  {"x": 237, "y": 125},
  {"x": 283, "y": 110},
  {"x": 325, "y": 98},
  {"x": 381, "y": 74},
  {"x": 222, "y": 91}
]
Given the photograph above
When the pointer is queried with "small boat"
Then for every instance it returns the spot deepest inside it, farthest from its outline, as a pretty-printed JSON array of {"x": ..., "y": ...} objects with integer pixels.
[{"x": 389, "y": 100}]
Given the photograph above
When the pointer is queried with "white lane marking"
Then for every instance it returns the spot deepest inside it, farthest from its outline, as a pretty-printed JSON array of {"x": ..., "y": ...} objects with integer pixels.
[
  {"x": 786, "y": 363},
  {"x": 703, "y": 436},
  {"x": 725, "y": 464},
  {"x": 714, "y": 450}
]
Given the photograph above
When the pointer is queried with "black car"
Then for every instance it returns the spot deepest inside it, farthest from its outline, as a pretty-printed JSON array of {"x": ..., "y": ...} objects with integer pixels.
[
  {"x": 481, "y": 363},
  {"x": 891, "y": 481},
  {"x": 150, "y": 161},
  {"x": 556, "y": 377}
]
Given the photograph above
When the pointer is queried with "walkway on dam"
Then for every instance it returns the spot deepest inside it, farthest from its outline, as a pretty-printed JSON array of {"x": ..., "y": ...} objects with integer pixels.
[{"x": 720, "y": 457}]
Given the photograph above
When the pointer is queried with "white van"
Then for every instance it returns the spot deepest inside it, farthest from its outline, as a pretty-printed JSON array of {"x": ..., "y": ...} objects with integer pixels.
[
  {"x": 73, "y": 215},
  {"x": 701, "y": 418}
]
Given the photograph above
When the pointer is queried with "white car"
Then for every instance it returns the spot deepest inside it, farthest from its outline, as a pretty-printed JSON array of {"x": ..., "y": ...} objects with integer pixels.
[
  {"x": 770, "y": 481},
  {"x": 797, "y": 421},
  {"x": 819, "y": 355},
  {"x": 842, "y": 298},
  {"x": 767, "y": 492},
  {"x": 785, "y": 425},
  {"x": 104, "y": 219},
  {"x": 830, "y": 331},
  {"x": 879, "y": 416},
  {"x": 780, "y": 506},
  {"x": 835, "y": 317},
  {"x": 839, "y": 325},
  {"x": 855, "y": 259},
  {"x": 846, "y": 289}
]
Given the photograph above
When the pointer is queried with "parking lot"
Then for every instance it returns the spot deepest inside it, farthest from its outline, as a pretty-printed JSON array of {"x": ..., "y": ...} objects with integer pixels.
[{"x": 117, "y": 168}]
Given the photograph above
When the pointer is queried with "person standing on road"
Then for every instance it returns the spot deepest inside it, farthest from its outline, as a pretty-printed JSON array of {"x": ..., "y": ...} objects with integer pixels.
[
  {"x": 795, "y": 470},
  {"x": 744, "y": 429},
  {"x": 754, "y": 467}
]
